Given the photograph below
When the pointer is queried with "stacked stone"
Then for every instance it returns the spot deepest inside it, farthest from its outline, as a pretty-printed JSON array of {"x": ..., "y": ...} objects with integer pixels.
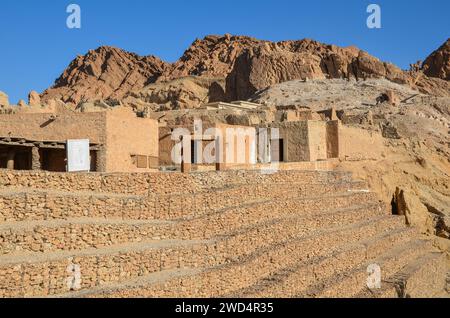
[{"x": 234, "y": 233}]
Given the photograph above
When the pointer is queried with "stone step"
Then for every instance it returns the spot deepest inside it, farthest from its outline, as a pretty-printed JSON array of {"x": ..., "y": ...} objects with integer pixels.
[
  {"x": 282, "y": 230},
  {"x": 177, "y": 206},
  {"x": 32, "y": 205},
  {"x": 350, "y": 283},
  {"x": 290, "y": 280},
  {"x": 42, "y": 274},
  {"x": 125, "y": 183},
  {"x": 193, "y": 209},
  {"x": 157, "y": 278},
  {"x": 217, "y": 252},
  {"x": 160, "y": 183},
  {"x": 81, "y": 233},
  {"x": 245, "y": 270},
  {"x": 424, "y": 277},
  {"x": 337, "y": 210},
  {"x": 215, "y": 180}
]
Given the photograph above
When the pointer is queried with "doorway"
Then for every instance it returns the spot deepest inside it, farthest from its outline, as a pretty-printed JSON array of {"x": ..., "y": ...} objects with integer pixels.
[
  {"x": 277, "y": 150},
  {"x": 20, "y": 156}
]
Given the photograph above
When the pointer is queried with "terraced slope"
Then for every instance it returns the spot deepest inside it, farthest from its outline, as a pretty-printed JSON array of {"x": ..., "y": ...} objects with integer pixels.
[{"x": 234, "y": 233}]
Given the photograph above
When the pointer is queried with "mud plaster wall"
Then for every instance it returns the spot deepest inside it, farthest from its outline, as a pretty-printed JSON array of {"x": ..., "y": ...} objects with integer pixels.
[
  {"x": 128, "y": 135},
  {"x": 39, "y": 127},
  {"x": 317, "y": 137},
  {"x": 166, "y": 145},
  {"x": 332, "y": 128},
  {"x": 239, "y": 150},
  {"x": 359, "y": 144},
  {"x": 295, "y": 135}
]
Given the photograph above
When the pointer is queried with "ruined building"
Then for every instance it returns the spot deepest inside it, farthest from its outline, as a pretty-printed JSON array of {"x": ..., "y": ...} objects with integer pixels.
[
  {"x": 301, "y": 230},
  {"x": 118, "y": 140}
]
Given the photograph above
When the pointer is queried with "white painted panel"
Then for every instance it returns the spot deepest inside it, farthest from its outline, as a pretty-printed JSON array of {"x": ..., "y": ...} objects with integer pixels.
[
  {"x": 78, "y": 157},
  {"x": 253, "y": 151}
]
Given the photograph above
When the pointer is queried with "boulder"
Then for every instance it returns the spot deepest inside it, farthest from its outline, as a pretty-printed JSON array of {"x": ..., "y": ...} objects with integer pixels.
[
  {"x": 22, "y": 103},
  {"x": 392, "y": 98},
  {"x": 407, "y": 203},
  {"x": 4, "y": 101},
  {"x": 438, "y": 63},
  {"x": 34, "y": 99}
]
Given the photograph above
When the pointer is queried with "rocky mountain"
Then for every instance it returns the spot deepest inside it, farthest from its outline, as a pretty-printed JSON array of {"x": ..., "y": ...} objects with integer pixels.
[
  {"x": 231, "y": 68},
  {"x": 438, "y": 63},
  {"x": 213, "y": 56},
  {"x": 181, "y": 93},
  {"x": 107, "y": 72},
  {"x": 272, "y": 63},
  {"x": 260, "y": 67}
]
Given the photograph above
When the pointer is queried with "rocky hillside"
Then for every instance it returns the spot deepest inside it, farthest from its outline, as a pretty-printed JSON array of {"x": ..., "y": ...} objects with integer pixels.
[
  {"x": 213, "y": 56},
  {"x": 238, "y": 65},
  {"x": 414, "y": 156},
  {"x": 272, "y": 63},
  {"x": 438, "y": 63},
  {"x": 104, "y": 73}
]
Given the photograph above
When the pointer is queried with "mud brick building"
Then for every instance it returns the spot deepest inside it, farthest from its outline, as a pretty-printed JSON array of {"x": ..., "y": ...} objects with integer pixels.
[
  {"x": 119, "y": 141},
  {"x": 217, "y": 143}
]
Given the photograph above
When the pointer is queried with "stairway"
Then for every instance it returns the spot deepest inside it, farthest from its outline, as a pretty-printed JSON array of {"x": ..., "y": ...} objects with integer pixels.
[{"x": 207, "y": 234}]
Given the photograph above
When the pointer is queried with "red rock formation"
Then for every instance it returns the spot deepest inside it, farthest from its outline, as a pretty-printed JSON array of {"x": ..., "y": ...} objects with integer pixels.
[
  {"x": 34, "y": 99},
  {"x": 271, "y": 63},
  {"x": 438, "y": 63},
  {"x": 213, "y": 56},
  {"x": 247, "y": 64},
  {"x": 104, "y": 73}
]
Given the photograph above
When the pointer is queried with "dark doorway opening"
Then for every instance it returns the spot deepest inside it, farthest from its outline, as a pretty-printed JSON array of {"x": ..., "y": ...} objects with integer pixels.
[
  {"x": 193, "y": 144},
  {"x": 53, "y": 160},
  {"x": 20, "y": 155},
  {"x": 277, "y": 150}
]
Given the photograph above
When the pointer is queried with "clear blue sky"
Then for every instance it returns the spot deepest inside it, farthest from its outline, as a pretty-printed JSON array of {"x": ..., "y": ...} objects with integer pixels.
[{"x": 36, "y": 45}]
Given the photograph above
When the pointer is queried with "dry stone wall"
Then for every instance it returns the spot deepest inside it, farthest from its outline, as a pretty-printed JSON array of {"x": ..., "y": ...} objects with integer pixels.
[{"x": 212, "y": 233}]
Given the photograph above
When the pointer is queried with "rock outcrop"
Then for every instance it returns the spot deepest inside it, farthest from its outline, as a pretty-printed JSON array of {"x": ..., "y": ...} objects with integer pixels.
[
  {"x": 182, "y": 93},
  {"x": 438, "y": 63},
  {"x": 22, "y": 103},
  {"x": 416, "y": 214},
  {"x": 4, "y": 100},
  {"x": 213, "y": 56},
  {"x": 272, "y": 63},
  {"x": 249, "y": 65},
  {"x": 34, "y": 99},
  {"x": 107, "y": 72}
]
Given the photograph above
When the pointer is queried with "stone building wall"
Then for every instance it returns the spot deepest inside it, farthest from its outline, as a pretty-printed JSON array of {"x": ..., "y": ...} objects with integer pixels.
[
  {"x": 239, "y": 144},
  {"x": 166, "y": 145}
]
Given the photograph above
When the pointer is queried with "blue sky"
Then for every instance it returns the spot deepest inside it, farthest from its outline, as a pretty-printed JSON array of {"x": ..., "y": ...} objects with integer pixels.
[{"x": 36, "y": 46}]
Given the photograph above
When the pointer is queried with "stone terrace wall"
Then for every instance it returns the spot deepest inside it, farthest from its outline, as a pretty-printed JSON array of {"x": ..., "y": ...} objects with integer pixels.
[
  {"x": 42, "y": 205},
  {"x": 153, "y": 183},
  {"x": 123, "y": 183}
]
